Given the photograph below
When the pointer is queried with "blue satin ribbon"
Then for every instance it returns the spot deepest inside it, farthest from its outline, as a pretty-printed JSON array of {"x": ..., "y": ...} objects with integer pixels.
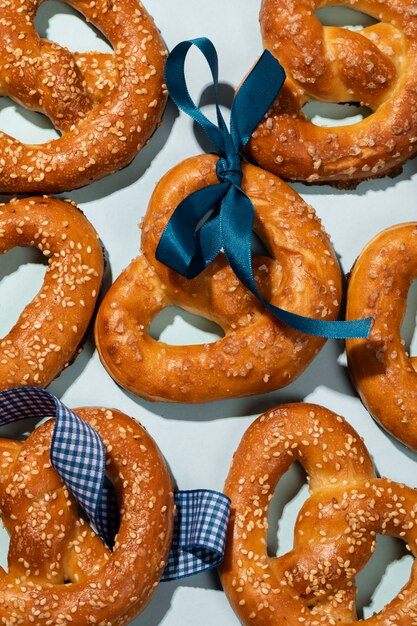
[{"x": 220, "y": 218}]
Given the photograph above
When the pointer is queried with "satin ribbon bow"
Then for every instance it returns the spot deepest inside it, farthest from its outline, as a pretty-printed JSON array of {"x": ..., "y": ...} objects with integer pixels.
[{"x": 220, "y": 218}]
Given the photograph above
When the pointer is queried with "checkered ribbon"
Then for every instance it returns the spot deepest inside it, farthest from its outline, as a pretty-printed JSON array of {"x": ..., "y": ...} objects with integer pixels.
[
  {"x": 79, "y": 457},
  {"x": 199, "y": 533}
]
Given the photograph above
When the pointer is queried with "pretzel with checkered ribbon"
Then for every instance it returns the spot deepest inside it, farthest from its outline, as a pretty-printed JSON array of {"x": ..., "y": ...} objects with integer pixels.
[
  {"x": 107, "y": 106},
  {"x": 335, "y": 531},
  {"x": 375, "y": 66},
  {"x": 51, "y": 545}
]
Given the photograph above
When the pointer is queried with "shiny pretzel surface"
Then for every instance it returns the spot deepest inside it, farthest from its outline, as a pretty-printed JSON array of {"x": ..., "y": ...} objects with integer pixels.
[
  {"x": 59, "y": 571},
  {"x": 375, "y": 66},
  {"x": 106, "y": 105},
  {"x": 51, "y": 328},
  {"x": 257, "y": 353},
  {"x": 335, "y": 532}
]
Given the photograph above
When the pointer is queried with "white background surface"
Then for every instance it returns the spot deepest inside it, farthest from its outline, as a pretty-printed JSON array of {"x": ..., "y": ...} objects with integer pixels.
[{"x": 198, "y": 441}]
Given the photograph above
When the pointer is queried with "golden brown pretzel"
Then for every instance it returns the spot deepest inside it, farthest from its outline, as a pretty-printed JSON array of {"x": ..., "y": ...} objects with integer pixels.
[
  {"x": 335, "y": 531},
  {"x": 50, "y": 544},
  {"x": 258, "y": 353},
  {"x": 381, "y": 370},
  {"x": 51, "y": 328},
  {"x": 375, "y": 67},
  {"x": 107, "y": 105}
]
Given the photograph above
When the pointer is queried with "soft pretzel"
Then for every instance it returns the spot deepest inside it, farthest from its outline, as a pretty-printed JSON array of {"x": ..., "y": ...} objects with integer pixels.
[
  {"x": 51, "y": 545},
  {"x": 106, "y": 105},
  {"x": 375, "y": 66},
  {"x": 258, "y": 353},
  {"x": 381, "y": 370},
  {"x": 335, "y": 531},
  {"x": 51, "y": 328}
]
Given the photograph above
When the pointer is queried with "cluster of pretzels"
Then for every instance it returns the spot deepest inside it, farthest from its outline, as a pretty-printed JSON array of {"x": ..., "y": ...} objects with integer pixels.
[{"x": 107, "y": 106}]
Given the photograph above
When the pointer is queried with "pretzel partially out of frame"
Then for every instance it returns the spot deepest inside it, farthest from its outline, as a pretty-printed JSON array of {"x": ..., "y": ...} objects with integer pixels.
[
  {"x": 376, "y": 67},
  {"x": 335, "y": 532},
  {"x": 106, "y": 105},
  {"x": 51, "y": 545}
]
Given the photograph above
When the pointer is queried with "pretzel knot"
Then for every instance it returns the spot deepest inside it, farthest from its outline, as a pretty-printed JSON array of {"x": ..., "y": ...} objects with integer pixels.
[
  {"x": 258, "y": 353},
  {"x": 335, "y": 530},
  {"x": 106, "y": 105},
  {"x": 375, "y": 66},
  {"x": 59, "y": 571}
]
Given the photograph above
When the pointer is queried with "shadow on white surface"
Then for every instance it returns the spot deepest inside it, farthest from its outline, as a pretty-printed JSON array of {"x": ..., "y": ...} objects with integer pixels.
[{"x": 135, "y": 170}]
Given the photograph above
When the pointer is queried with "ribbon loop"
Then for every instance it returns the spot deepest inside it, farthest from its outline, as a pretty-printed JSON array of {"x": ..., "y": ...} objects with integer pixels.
[{"x": 190, "y": 243}]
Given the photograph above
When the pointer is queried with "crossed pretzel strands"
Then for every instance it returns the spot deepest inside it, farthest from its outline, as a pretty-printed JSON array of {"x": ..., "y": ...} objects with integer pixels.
[
  {"x": 258, "y": 353},
  {"x": 335, "y": 530},
  {"x": 375, "y": 66},
  {"x": 106, "y": 105},
  {"x": 51, "y": 546}
]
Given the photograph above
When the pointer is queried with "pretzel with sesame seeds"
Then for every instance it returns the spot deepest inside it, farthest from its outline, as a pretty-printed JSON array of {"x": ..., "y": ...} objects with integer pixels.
[
  {"x": 384, "y": 375},
  {"x": 51, "y": 328},
  {"x": 335, "y": 532},
  {"x": 107, "y": 106},
  {"x": 375, "y": 66},
  {"x": 258, "y": 353},
  {"x": 51, "y": 545}
]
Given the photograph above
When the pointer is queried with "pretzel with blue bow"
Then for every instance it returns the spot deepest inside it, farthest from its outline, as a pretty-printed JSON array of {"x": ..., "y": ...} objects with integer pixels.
[{"x": 275, "y": 309}]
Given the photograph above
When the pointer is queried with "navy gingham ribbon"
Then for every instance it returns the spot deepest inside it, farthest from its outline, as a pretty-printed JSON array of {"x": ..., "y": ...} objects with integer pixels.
[
  {"x": 220, "y": 218},
  {"x": 79, "y": 457}
]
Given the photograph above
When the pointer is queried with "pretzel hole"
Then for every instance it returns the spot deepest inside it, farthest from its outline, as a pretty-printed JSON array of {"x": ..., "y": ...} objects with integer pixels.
[
  {"x": 62, "y": 24},
  {"x": 4, "y": 547},
  {"x": 177, "y": 327},
  {"x": 387, "y": 571},
  {"x": 343, "y": 17},
  {"x": 408, "y": 327},
  {"x": 22, "y": 272},
  {"x": 331, "y": 114},
  {"x": 289, "y": 497},
  {"x": 25, "y": 125}
]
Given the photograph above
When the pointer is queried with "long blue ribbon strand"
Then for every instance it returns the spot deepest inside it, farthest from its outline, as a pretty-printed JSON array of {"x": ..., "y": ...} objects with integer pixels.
[
  {"x": 79, "y": 457},
  {"x": 220, "y": 218}
]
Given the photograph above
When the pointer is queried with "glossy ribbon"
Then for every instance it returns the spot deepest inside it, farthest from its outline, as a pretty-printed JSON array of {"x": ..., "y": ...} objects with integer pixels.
[
  {"x": 220, "y": 218},
  {"x": 79, "y": 457}
]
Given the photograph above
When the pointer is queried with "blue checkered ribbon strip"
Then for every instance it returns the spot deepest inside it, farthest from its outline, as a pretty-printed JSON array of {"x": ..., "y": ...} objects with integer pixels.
[
  {"x": 77, "y": 453},
  {"x": 79, "y": 457},
  {"x": 199, "y": 533}
]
